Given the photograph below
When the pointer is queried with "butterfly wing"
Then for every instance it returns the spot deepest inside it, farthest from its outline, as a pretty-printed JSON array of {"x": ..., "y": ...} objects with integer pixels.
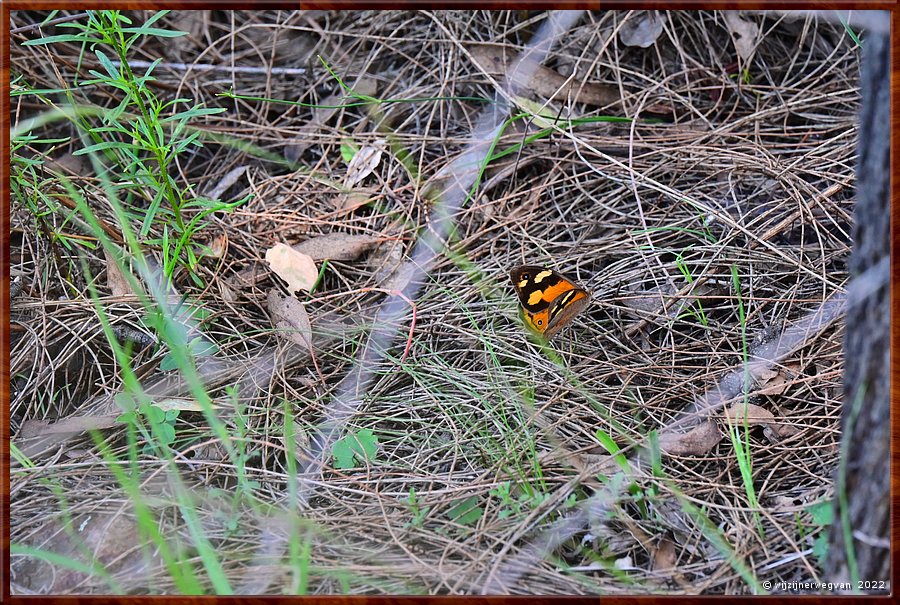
[
  {"x": 564, "y": 308},
  {"x": 549, "y": 300}
]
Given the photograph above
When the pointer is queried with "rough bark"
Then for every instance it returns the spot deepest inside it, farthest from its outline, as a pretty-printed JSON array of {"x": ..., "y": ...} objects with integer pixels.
[{"x": 864, "y": 474}]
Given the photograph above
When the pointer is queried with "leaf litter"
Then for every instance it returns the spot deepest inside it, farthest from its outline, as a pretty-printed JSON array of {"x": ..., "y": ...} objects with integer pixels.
[{"x": 568, "y": 200}]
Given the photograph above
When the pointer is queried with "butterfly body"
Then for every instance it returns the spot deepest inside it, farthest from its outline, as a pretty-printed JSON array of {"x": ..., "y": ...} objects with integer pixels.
[{"x": 549, "y": 300}]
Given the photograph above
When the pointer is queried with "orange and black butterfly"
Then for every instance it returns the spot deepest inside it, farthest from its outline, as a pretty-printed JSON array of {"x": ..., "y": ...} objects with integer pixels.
[{"x": 549, "y": 300}]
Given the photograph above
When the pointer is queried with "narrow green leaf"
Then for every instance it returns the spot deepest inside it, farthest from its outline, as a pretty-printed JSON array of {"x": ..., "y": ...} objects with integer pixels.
[
  {"x": 105, "y": 145},
  {"x": 153, "y": 31},
  {"x": 82, "y": 38},
  {"x": 111, "y": 69}
]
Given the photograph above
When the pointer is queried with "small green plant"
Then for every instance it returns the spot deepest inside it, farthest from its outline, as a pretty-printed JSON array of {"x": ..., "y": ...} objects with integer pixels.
[
  {"x": 699, "y": 315},
  {"x": 175, "y": 332},
  {"x": 354, "y": 449},
  {"x": 157, "y": 425},
  {"x": 741, "y": 442},
  {"x": 419, "y": 513},
  {"x": 526, "y": 501},
  {"x": 744, "y": 76},
  {"x": 141, "y": 138},
  {"x": 822, "y": 514},
  {"x": 640, "y": 496}
]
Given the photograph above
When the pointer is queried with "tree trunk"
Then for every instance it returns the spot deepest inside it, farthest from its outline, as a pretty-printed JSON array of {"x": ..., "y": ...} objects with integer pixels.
[{"x": 862, "y": 481}]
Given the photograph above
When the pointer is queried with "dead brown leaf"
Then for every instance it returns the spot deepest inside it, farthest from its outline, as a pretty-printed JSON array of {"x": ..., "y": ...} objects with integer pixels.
[
  {"x": 364, "y": 163},
  {"x": 755, "y": 415},
  {"x": 337, "y": 246},
  {"x": 115, "y": 279},
  {"x": 290, "y": 318},
  {"x": 776, "y": 382},
  {"x": 107, "y": 540},
  {"x": 744, "y": 33},
  {"x": 296, "y": 268},
  {"x": 696, "y": 442},
  {"x": 351, "y": 200},
  {"x": 546, "y": 82},
  {"x": 665, "y": 559},
  {"x": 776, "y": 385},
  {"x": 37, "y": 436},
  {"x": 664, "y": 556},
  {"x": 332, "y": 246},
  {"x": 218, "y": 245}
]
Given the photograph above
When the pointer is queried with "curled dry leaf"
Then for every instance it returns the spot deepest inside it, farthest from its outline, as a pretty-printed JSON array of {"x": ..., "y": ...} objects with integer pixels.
[
  {"x": 333, "y": 246},
  {"x": 665, "y": 559},
  {"x": 755, "y": 415},
  {"x": 698, "y": 441},
  {"x": 775, "y": 385},
  {"x": 744, "y": 33},
  {"x": 290, "y": 318},
  {"x": 296, "y": 268},
  {"x": 364, "y": 163}
]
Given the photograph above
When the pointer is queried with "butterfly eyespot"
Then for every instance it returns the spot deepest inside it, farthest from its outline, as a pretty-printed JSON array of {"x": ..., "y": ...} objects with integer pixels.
[{"x": 540, "y": 322}]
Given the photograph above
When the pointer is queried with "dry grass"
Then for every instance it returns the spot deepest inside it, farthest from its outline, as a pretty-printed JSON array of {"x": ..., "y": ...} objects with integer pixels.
[{"x": 764, "y": 169}]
